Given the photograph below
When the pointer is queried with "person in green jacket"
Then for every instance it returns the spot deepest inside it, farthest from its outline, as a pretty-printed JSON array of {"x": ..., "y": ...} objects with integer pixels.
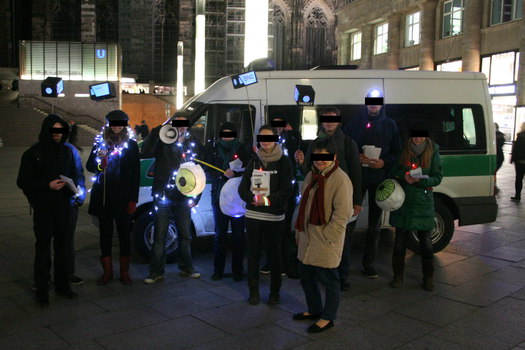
[{"x": 419, "y": 156}]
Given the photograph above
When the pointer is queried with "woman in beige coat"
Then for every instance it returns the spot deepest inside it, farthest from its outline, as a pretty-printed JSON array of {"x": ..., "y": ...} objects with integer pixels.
[{"x": 326, "y": 207}]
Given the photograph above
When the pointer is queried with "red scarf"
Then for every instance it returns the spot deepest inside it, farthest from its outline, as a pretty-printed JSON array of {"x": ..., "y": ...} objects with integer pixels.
[{"x": 317, "y": 212}]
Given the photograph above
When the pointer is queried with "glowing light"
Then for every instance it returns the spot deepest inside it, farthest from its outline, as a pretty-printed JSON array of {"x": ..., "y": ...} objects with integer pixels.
[
  {"x": 200, "y": 36},
  {"x": 256, "y": 30},
  {"x": 375, "y": 93},
  {"x": 180, "y": 67},
  {"x": 368, "y": 125}
]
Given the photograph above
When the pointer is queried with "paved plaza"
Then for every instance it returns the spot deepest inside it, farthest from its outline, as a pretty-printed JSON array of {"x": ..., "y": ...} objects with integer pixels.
[{"x": 478, "y": 302}]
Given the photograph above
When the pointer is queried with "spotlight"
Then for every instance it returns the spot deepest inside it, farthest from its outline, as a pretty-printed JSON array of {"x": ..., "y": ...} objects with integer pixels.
[
  {"x": 52, "y": 87},
  {"x": 304, "y": 95}
]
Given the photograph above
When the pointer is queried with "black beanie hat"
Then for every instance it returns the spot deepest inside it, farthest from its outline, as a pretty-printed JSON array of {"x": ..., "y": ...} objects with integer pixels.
[
  {"x": 228, "y": 126},
  {"x": 117, "y": 114}
]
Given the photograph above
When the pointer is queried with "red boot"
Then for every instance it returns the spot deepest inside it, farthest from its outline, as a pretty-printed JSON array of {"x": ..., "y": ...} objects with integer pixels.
[
  {"x": 124, "y": 270},
  {"x": 107, "y": 268}
]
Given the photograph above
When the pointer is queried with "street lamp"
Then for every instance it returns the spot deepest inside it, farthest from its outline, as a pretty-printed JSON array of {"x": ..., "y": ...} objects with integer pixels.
[
  {"x": 256, "y": 30},
  {"x": 180, "y": 87},
  {"x": 200, "y": 36}
]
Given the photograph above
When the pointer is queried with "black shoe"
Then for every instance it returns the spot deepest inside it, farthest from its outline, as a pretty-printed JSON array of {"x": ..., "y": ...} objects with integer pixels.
[
  {"x": 237, "y": 277},
  {"x": 316, "y": 329},
  {"x": 254, "y": 298},
  {"x": 301, "y": 317},
  {"x": 345, "y": 285},
  {"x": 265, "y": 270},
  {"x": 42, "y": 300},
  {"x": 370, "y": 273},
  {"x": 216, "y": 276},
  {"x": 273, "y": 299},
  {"x": 515, "y": 199},
  {"x": 75, "y": 280},
  {"x": 67, "y": 293}
]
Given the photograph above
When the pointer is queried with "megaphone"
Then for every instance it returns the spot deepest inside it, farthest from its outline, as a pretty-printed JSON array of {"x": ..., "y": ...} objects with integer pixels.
[{"x": 168, "y": 134}]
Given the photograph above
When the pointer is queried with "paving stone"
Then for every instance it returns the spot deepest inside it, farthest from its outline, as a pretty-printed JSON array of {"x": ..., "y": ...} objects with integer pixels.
[
  {"x": 507, "y": 253},
  {"x": 509, "y": 274},
  {"x": 479, "y": 228},
  {"x": 487, "y": 262},
  {"x": 474, "y": 246},
  {"x": 437, "y": 310},
  {"x": 461, "y": 272},
  {"x": 469, "y": 339},
  {"x": 264, "y": 338},
  {"x": 180, "y": 333},
  {"x": 241, "y": 316},
  {"x": 431, "y": 342},
  {"x": 398, "y": 326},
  {"x": 520, "y": 294},
  {"x": 363, "y": 308},
  {"x": 480, "y": 292},
  {"x": 107, "y": 323},
  {"x": 410, "y": 293},
  {"x": 37, "y": 339}
]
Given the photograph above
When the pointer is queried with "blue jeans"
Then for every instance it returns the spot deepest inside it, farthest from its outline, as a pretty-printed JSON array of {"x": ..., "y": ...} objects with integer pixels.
[
  {"x": 182, "y": 215},
  {"x": 329, "y": 278},
  {"x": 219, "y": 241}
]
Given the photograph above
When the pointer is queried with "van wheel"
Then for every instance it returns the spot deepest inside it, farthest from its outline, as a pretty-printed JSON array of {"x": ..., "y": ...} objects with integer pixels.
[
  {"x": 142, "y": 234},
  {"x": 442, "y": 232}
]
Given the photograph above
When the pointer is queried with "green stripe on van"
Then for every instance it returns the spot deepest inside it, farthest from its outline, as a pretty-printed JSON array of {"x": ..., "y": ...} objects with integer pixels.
[{"x": 468, "y": 165}]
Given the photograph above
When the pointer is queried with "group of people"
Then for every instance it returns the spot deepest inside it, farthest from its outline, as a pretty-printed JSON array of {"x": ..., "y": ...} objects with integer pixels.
[{"x": 338, "y": 174}]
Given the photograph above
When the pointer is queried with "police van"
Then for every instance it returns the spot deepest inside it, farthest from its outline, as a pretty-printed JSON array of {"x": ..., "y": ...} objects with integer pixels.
[{"x": 456, "y": 105}]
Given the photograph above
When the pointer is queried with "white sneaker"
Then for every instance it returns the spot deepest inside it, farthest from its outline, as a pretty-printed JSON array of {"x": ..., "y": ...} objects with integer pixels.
[
  {"x": 153, "y": 278},
  {"x": 190, "y": 273}
]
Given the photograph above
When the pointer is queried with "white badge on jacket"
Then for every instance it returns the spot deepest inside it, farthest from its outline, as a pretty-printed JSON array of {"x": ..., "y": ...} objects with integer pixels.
[{"x": 261, "y": 182}]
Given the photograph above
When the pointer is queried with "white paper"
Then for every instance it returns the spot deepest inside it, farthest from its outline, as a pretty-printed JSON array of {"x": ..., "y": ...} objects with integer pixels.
[
  {"x": 417, "y": 173},
  {"x": 69, "y": 183},
  {"x": 371, "y": 152},
  {"x": 236, "y": 165},
  {"x": 261, "y": 183}
]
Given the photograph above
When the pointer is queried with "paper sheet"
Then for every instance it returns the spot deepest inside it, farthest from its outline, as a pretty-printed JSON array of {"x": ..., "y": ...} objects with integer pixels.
[
  {"x": 69, "y": 183},
  {"x": 371, "y": 152}
]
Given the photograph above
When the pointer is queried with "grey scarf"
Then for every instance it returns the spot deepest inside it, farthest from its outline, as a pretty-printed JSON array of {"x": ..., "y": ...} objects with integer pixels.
[
  {"x": 272, "y": 156},
  {"x": 418, "y": 149}
]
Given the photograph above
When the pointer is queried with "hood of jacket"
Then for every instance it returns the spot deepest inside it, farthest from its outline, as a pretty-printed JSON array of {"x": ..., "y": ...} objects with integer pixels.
[{"x": 45, "y": 136}]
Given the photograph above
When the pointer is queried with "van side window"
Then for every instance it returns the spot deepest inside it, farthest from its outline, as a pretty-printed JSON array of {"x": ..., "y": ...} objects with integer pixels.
[
  {"x": 455, "y": 128},
  {"x": 198, "y": 128},
  {"x": 241, "y": 115}
]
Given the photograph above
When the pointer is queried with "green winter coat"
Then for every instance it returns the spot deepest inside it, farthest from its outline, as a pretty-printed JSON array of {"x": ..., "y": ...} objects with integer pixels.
[{"x": 417, "y": 211}]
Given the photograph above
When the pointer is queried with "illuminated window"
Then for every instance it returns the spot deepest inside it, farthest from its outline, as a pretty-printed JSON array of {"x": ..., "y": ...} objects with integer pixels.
[
  {"x": 501, "y": 69},
  {"x": 381, "y": 39},
  {"x": 412, "y": 29},
  {"x": 452, "y": 18},
  {"x": 505, "y": 11},
  {"x": 452, "y": 66},
  {"x": 355, "y": 44}
]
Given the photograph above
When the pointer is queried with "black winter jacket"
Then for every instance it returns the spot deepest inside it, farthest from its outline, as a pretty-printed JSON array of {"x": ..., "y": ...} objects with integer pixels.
[
  {"x": 121, "y": 181},
  {"x": 280, "y": 185},
  {"x": 379, "y": 131},
  {"x": 168, "y": 159},
  {"x": 44, "y": 162}
]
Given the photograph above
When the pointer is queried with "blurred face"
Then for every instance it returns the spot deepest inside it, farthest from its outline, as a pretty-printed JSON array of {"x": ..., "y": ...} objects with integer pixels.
[
  {"x": 57, "y": 137},
  {"x": 330, "y": 127},
  {"x": 323, "y": 164},
  {"x": 182, "y": 130},
  {"x": 267, "y": 146},
  {"x": 418, "y": 140},
  {"x": 116, "y": 129},
  {"x": 373, "y": 110},
  {"x": 279, "y": 130},
  {"x": 227, "y": 138}
]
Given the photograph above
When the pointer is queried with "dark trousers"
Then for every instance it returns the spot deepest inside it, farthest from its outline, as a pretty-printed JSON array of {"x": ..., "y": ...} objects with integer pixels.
[
  {"x": 520, "y": 172},
  {"x": 288, "y": 237},
  {"x": 181, "y": 213},
  {"x": 51, "y": 226},
  {"x": 219, "y": 241},
  {"x": 372, "y": 233},
  {"x": 344, "y": 265},
  {"x": 71, "y": 246},
  {"x": 329, "y": 278},
  {"x": 123, "y": 224},
  {"x": 271, "y": 232},
  {"x": 425, "y": 243}
]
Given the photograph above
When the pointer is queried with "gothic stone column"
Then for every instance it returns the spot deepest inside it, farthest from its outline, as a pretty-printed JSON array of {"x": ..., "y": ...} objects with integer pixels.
[
  {"x": 472, "y": 36},
  {"x": 521, "y": 69},
  {"x": 367, "y": 46},
  {"x": 394, "y": 41}
]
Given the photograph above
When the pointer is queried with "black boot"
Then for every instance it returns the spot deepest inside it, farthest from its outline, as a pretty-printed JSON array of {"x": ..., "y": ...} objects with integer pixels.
[
  {"x": 428, "y": 274},
  {"x": 107, "y": 270},
  {"x": 254, "y": 297},
  {"x": 398, "y": 265}
]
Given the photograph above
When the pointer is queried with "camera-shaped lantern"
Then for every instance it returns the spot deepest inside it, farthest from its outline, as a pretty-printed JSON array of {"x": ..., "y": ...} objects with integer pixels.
[
  {"x": 304, "y": 95},
  {"x": 52, "y": 87}
]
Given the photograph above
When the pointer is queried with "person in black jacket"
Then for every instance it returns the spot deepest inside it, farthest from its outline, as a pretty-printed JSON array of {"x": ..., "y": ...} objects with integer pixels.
[
  {"x": 518, "y": 158},
  {"x": 374, "y": 128},
  {"x": 168, "y": 199},
  {"x": 115, "y": 161},
  {"x": 266, "y": 186},
  {"x": 349, "y": 163},
  {"x": 39, "y": 177},
  {"x": 220, "y": 154}
]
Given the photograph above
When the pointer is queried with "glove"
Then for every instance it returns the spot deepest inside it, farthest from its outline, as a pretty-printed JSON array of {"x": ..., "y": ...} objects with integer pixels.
[
  {"x": 131, "y": 208},
  {"x": 103, "y": 164}
]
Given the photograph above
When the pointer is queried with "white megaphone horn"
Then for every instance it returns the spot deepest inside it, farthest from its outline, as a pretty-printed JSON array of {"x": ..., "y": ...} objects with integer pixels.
[{"x": 168, "y": 134}]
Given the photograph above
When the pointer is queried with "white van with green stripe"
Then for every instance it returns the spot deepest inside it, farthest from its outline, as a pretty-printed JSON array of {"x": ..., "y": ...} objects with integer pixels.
[{"x": 456, "y": 106}]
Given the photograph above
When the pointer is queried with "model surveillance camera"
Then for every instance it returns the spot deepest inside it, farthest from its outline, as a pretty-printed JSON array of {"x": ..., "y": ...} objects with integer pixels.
[
  {"x": 304, "y": 95},
  {"x": 102, "y": 91},
  {"x": 244, "y": 79},
  {"x": 52, "y": 87}
]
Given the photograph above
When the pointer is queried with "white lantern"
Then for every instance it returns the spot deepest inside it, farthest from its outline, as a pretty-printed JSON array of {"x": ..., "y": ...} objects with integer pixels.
[{"x": 390, "y": 195}]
